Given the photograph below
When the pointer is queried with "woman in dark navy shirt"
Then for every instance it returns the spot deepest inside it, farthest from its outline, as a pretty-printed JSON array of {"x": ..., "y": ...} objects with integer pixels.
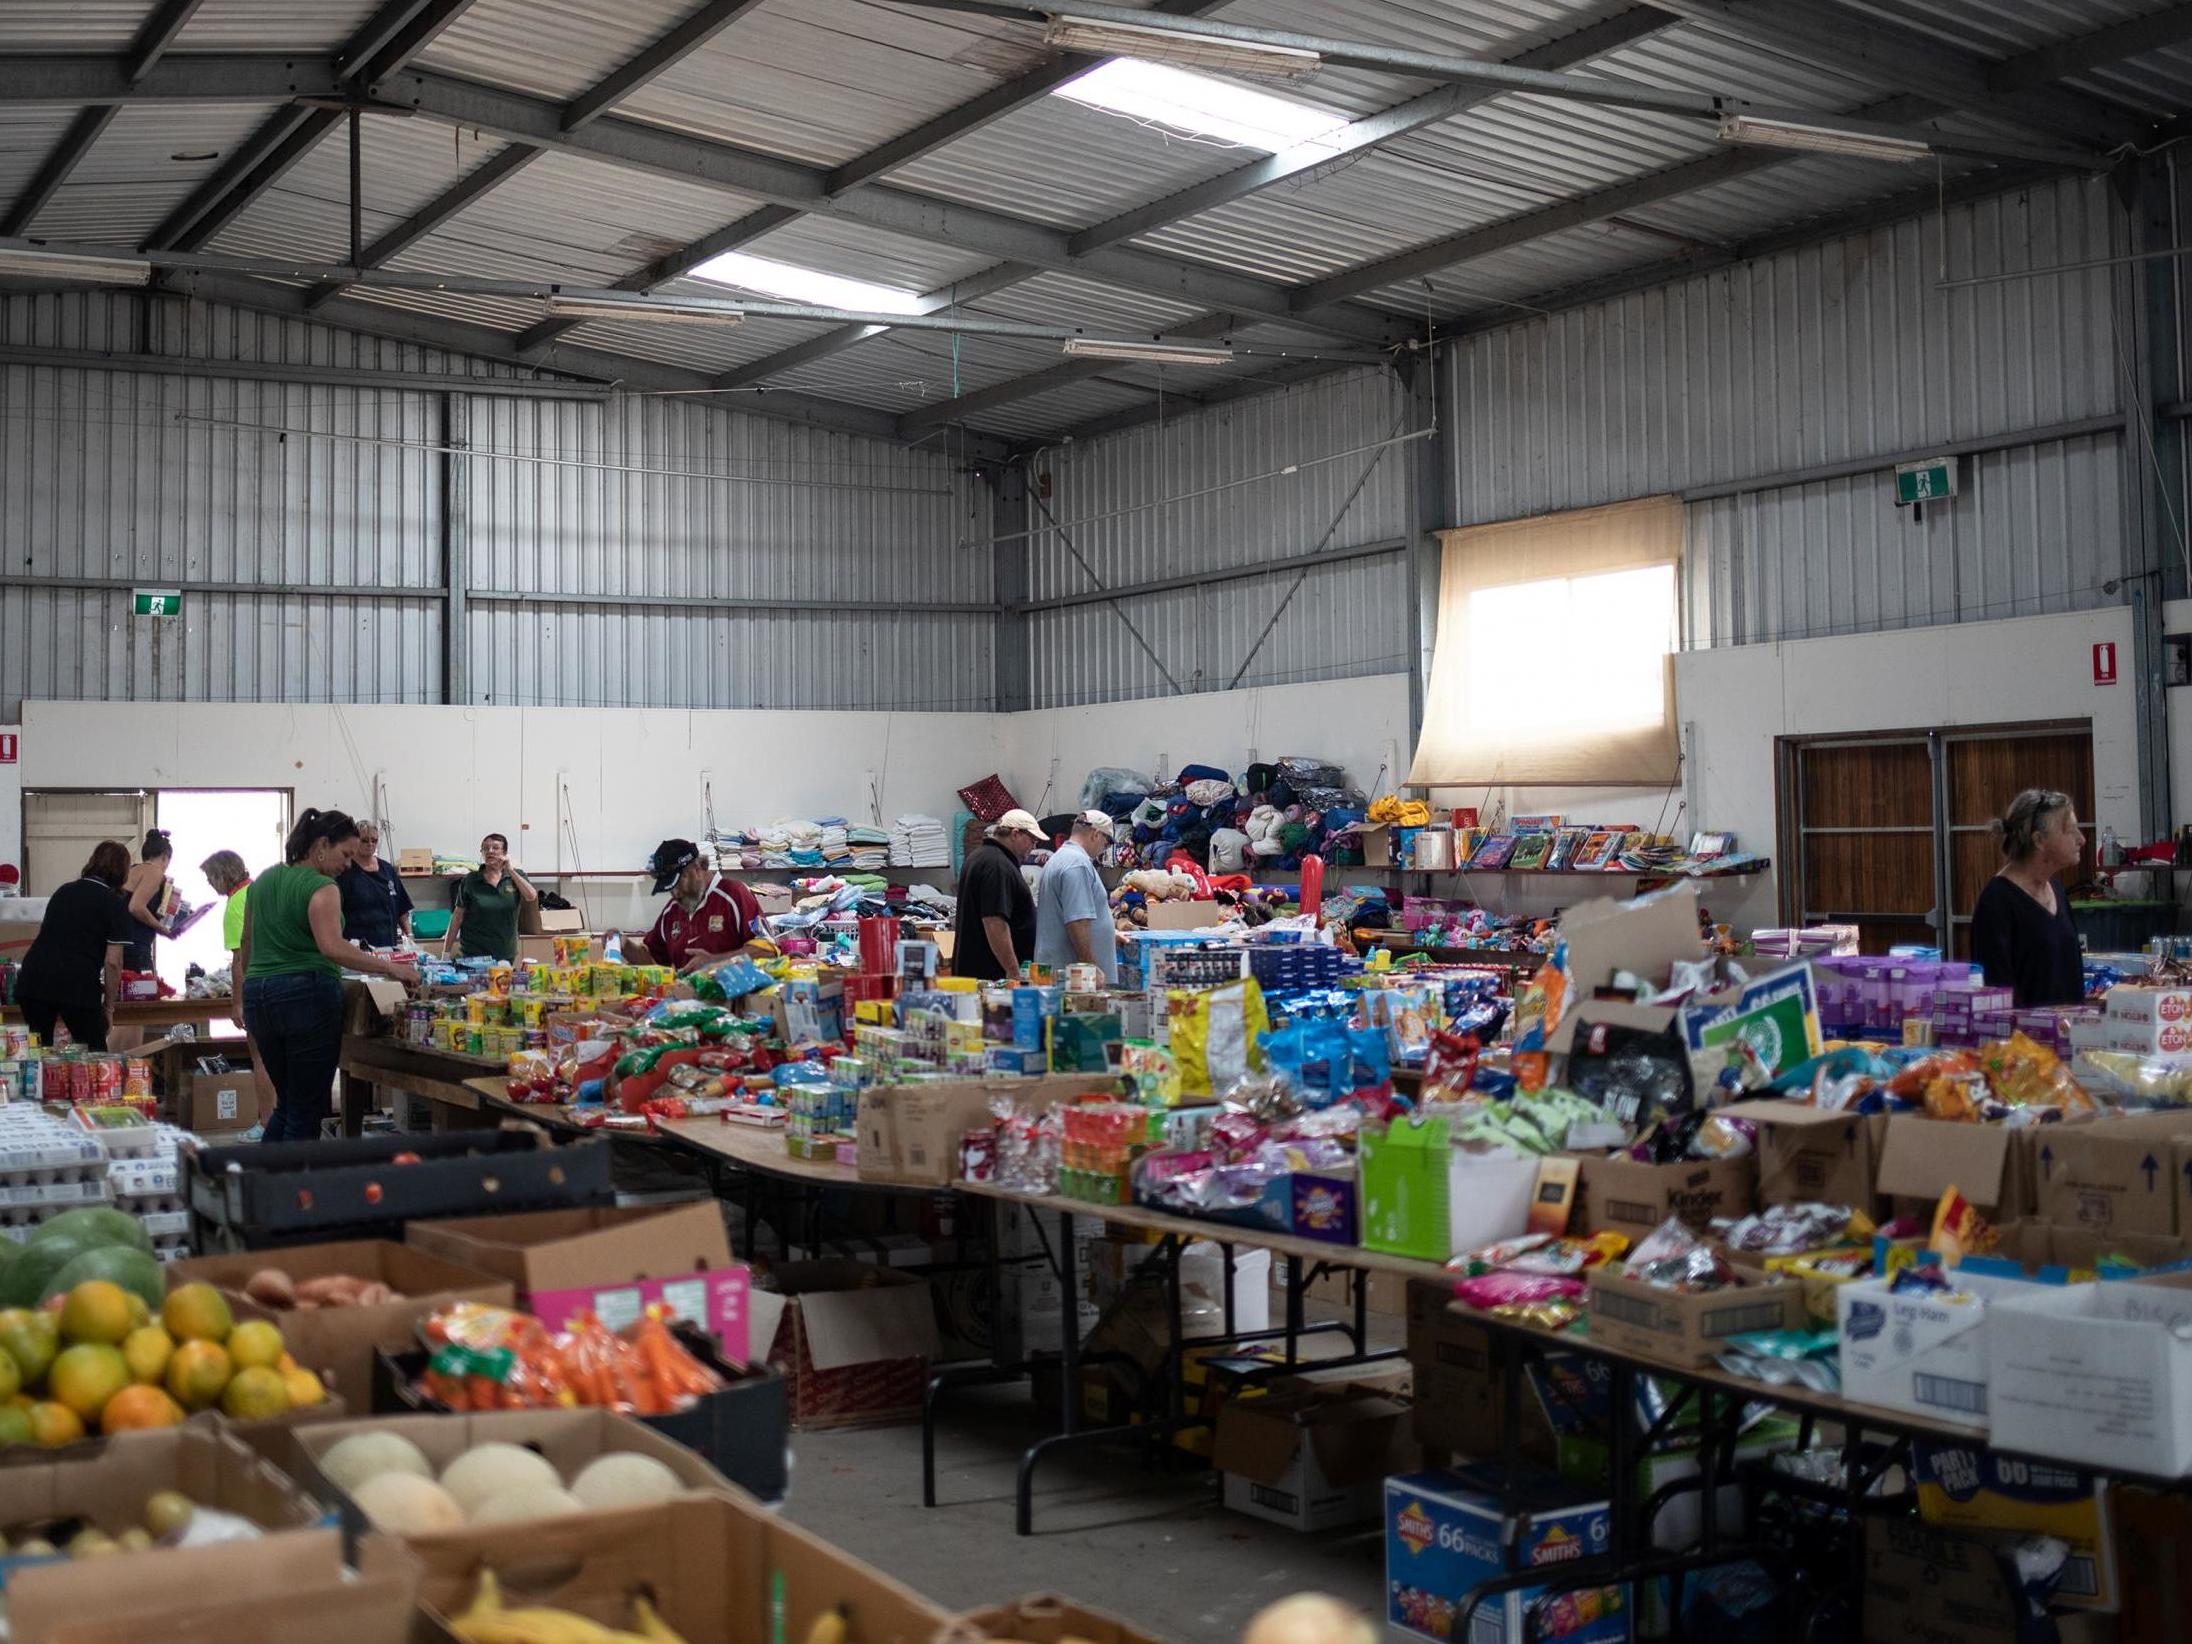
[
  {"x": 376, "y": 908},
  {"x": 2021, "y": 930}
]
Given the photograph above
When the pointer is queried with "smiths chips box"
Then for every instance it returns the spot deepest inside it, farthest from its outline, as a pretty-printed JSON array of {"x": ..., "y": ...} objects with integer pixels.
[{"x": 1446, "y": 1533}]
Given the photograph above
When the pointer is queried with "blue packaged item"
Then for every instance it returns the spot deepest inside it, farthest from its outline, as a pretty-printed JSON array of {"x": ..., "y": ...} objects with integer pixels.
[
  {"x": 1031, "y": 1007},
  {"x": 1446, "y": 1533}
]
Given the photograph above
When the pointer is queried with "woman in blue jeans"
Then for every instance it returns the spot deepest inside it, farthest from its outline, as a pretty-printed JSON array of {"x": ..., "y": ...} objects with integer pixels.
[{"x": 292, "y": 960}]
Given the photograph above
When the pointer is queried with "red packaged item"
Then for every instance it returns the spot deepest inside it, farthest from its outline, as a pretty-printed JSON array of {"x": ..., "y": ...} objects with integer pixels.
[{"x": 1489, "y": 1290}]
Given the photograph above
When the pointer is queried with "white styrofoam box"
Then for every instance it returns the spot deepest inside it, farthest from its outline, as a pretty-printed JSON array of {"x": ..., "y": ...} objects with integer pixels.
[
  {"x": 1031, "y": 1313},
  {"x": 2125, "y": 1003},
  {"x": 54, "y": 1195},
  {"x": 1019, "y": 1236},
  {"x": 2098, "y": 1374},
  {"x": 169, "y": 1224},
  {"x": 1920, "y": 1351}
]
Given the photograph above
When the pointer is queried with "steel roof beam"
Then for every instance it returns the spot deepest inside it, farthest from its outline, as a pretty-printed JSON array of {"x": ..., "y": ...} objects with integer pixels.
[
  {"x": 1608, "y": 33},
  {"x": 159, "y": 32},
  {"x": 1065, "y": 373},
  {"x": 67, "y": 154},
  {"x": 1837, "y": 36},
  {"x": 653, "y": 149},
  {"x": 688, "y": 37},
  {"x": 2157, "y": 31},
  {"x": 395, "y": 34},
  {"x": 72, "y": 80}
]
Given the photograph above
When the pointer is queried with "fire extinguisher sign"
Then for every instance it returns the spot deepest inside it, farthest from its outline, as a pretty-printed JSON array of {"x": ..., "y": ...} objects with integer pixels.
[{"x": 2104, "y": 662}]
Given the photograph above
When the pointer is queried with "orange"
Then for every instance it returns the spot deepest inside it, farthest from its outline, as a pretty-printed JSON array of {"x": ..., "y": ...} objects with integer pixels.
[
  {"x": 54, "y": 1424},
  {"x": 14, "y": 1424},
  {"x": 85, "y": 1376},
  {"x": 139, "y": 1406},
  {"x": 140, "y": 1314},
  {"x": 31, "y": 1340},
  {"x": 305, "y": 1389},
  {"x": 255, "y": 1394},
  {"x": 197, "y": 1312},
  {"x": 96, "y": 1310},
  {"x": 255, "y": 1344},
  {"x": 197, "y": 1373},
  {"x": 148, "y": 1348}
]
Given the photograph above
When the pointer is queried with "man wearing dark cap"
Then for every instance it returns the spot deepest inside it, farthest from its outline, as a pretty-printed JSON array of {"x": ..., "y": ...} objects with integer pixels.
[{"x": 706, "y": 917}]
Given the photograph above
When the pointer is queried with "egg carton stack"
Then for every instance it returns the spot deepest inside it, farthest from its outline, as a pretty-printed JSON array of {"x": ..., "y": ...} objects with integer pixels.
[
  {"x": 47, "y": 1165},
  {"x": 145, "y": 1175}
]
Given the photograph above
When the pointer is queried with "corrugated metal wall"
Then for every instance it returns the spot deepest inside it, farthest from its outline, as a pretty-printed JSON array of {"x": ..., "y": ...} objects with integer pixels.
[
  {"x": 1338, "y": 621},
  {"x": 1829, "y": 354},
  {"x": 128, "y": 478}
]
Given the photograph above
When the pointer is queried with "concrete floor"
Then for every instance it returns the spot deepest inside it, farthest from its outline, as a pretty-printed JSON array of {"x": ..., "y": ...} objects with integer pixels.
[{"x": 1152, "y": 1547}]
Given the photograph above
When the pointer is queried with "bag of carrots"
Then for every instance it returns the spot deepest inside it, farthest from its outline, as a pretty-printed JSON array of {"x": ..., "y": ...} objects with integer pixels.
[{"x": 491, "y": 1358}]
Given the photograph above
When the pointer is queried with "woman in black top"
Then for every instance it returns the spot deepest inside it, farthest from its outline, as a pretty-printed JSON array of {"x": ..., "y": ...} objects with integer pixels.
[
  {"x": 73, "y": 971},
  {"x": 2021, "y": 930},
  {"x": 145, "y": 889},
  {"x": 376, "y": 908}
]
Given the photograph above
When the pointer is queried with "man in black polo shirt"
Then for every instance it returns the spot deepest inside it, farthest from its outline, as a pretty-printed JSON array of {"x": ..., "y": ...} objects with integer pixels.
[{"x": 994, "y": 934}]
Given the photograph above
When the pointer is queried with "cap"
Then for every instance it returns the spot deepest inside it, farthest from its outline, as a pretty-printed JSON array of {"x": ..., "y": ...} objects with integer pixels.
[
  {"x": 1095, "y": 821},
  {"x": 671, "y": 858},
  {"x": 1017, "y": 821}
]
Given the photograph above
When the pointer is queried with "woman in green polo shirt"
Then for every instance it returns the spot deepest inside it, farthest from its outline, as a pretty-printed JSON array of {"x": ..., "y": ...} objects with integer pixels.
[
  {"x": 485, "y": 922},
  {"x": 292, "y": 962}
]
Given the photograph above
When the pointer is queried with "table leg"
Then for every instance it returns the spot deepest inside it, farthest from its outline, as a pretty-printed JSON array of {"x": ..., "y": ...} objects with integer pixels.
[
  {"x": 1069, "y": 1379},
  {"x": 358, "y": 1095},
  {"x": 1293, "y": 1310}
]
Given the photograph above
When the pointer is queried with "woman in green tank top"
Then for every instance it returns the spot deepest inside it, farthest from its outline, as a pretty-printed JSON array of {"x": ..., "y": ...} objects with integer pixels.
[{"x": 291, "y": 967}]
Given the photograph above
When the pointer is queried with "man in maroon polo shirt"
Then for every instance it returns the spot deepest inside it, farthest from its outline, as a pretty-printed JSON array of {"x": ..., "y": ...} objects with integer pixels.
[{"x": 707, "y": 916}]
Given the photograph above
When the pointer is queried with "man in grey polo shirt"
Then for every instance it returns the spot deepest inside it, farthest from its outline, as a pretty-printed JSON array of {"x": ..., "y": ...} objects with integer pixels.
[{"x": 1072, "y": 913}]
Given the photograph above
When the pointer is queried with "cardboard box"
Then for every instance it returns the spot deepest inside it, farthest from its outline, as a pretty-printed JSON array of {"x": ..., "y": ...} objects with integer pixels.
[
  {"x": 293, "y": 1590},
  {"x": 2098, "y": 1374},
  {"x": 1043, "y": 1621},
  {"x": 1619, "y": 1194},
  {"x": 2112, "y": 1175},
  {"x": 1313, "y": 1459},
  {"x": 2132, "y": 1002},
  {"x": 566, "y": 1439},
  {"x": 1446, "y": 1533},
  {"x": 1930, "y": 1586},
  {"x": 1629, "y": 1316},
  {"x": 1972, "y": 1488},
  {"x": 853, "y": 1341},
  {"x": 1031, "y": 1313},
  {"x": 1184, "y": 915},
  {"x": 216, "y": 1102},
  {"x": 1991, "y": 1165},
  {"x": 1644, "y": 936},
  {"x": 1460, "y": 1409},
  {"x": 910, "y": 1134},
  {"x": 722, "y": 1570},
  {"x": 1809, "y": 1155},
  {"x": 2046, "y": 1254},
  {"x": 1422, "y": 1197},
  {"x": 612, "y": 1262},
  {"x": 107, "y": 1481},
  {"x": 1920, "y": 1351},
  {"x": 415, "y": 859},
  {"x": 339, "y": 1342}
]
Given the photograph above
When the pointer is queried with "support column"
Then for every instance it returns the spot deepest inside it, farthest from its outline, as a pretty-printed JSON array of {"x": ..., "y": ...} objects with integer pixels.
[
  {"x": 455, "y": 484},
  {"x": 1430, "y": 510},
  {"x": 1009, "y": 521},
  {"x": 2153, "y": 456}
]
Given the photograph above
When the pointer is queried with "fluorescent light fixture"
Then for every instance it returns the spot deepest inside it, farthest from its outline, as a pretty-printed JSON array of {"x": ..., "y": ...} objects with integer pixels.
[
  {"x": 58, "y": 265},
  {"x": 1197, "y": 105},
  {"x": 583, "y": 308},
  {"x": 1149, "y": 353},
  {"x": 806, "y": 285},
  {"x": 1745, "y": 128},
  {"x": 1188, "y": 51}
]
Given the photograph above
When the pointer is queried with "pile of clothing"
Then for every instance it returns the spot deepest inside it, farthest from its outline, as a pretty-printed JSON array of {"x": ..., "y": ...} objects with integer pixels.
[
  {"x": 1271, "y": 817},
  {"x": 918, "y": 841}
]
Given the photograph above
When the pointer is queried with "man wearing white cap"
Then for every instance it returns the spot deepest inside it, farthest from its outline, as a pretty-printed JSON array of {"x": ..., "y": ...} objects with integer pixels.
[
  {"x": 993, "y": 934},
  {"x": 1072, "y": 913}
]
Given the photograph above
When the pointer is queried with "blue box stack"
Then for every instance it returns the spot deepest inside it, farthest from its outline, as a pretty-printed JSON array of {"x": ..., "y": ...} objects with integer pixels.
[{"x": 1288, "y": 967}]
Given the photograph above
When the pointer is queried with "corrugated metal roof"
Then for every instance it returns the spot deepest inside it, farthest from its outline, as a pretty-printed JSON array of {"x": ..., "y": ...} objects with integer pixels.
[
  {"x": 143, "y": 165},
  {"x": 70, "y": 25},
  {"x": 272, "y": 25}
]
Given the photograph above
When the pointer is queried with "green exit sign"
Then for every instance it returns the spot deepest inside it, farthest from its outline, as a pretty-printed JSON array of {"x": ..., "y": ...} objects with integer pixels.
[
  {"x": 1929, "y": 480},
  {"x": 156, "y": 602}
]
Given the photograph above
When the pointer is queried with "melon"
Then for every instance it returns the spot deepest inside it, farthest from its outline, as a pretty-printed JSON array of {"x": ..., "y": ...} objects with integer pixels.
[
  {"x": 513, "y": 1505},
  {"x": 133, "y": 1270},
  {"x": 24, "y": 1282},
  {"x": 96, "y": 1224},
  {"x": 624, "y": 1478},
  {"x": 363, "y": 1456},
  {"x": 403, "y": 1504},
  {"x": 489, "y": 1470}
]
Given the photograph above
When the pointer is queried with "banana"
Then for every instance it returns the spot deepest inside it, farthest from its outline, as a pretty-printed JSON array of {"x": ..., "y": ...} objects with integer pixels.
[
  {"x": 538, "y": 1626},
  {"x": 488, "y": 1600},
  {"x": 648, "y": 1623},
  {"x": 829, "y": 1627}
]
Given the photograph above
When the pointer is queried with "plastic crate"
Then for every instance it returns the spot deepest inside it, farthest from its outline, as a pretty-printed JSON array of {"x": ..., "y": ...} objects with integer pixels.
[{"x": 254, "y": 1198}]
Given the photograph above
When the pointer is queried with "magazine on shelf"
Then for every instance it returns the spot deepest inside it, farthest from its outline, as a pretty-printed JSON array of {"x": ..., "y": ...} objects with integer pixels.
[
  {"x": 1566, "y": 842},
  {"x": 1598, "y": 850},
  {"x": 1494, "y": 852},
  {"x": 1530, "y": 851}
]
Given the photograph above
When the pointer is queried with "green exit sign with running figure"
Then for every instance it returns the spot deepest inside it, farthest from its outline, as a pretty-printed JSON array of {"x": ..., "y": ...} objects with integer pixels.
[
  {"x": 1930, "y": 480},
  {"x": 156, "y": 602}
]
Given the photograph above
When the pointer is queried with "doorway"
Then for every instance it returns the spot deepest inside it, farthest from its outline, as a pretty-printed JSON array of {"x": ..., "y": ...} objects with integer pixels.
[
  {"x": 252, "y": 822},
  {"x": 1893, "y": 832}
]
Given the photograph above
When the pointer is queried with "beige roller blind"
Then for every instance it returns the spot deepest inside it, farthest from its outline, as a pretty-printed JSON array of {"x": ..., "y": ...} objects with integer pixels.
[{"x": 1555, "y": 655}]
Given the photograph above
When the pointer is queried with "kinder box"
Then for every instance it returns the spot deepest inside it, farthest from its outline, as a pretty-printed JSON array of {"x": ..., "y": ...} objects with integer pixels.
[
  {"x": 1921, "y": 1351},
  {"x": 2099, "y": 1374},
  {"x": 1624, "y": 1195},
  {"x": 1629, "y": 1316},
  {"x": 2113, "y": 1175},
  {"x": 1445, "y": 1533},
  {"x": 1810, "y": 1155},
  {"x": 852, "y": 1340},
  {"x": 611, "y": 1262},
  {"x": 1991, "y": 1165}
]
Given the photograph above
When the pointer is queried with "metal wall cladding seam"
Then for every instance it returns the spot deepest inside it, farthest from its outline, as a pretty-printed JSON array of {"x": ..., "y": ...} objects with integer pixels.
[
  {"x": 581, "y": 656},
  {"x": 1101, "y": 531}
]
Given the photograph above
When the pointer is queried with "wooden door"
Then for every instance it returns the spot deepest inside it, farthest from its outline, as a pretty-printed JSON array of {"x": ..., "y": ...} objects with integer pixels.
[
  {"x": 1862, "y": 833},
  {"x": 60, "y": 829},
  {"x": 1984, "y": 771}
]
